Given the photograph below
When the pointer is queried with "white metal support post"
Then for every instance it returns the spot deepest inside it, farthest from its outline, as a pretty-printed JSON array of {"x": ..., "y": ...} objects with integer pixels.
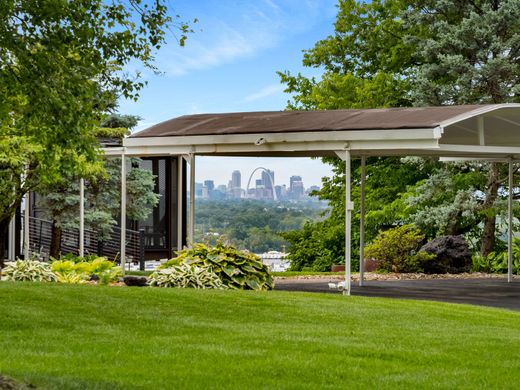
[
  {"x": 180, "y": 163},
  {"x": 362, "y": 223},
  {"x": 510, "y": 224},
  {"x": 26, "y": 227},
  {"x": 11, "y": 254},
  {"x": 81, "y": 250},
  {"x": 191, "y": 233},
  {"x": 348, "y": 223},
  {"x": 123, "y": 212}
]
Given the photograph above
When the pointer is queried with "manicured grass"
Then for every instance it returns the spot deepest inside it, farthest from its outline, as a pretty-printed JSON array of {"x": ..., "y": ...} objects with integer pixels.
[{"x": 88, "y": 337}]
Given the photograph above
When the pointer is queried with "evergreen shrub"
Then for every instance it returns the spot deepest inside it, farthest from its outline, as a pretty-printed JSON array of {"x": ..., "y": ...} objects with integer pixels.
[{"x": 396, "y": 250}]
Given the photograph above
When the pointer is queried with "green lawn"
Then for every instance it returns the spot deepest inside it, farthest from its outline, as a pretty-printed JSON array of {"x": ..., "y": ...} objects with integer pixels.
[{"x": 85, "y": 337}]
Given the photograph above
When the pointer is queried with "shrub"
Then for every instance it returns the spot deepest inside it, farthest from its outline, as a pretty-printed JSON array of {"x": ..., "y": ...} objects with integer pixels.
[
  {"x": 28, "y": 270},
  {"x": 236, "y": 269},
  {"x": 72, "y": 271},
  {"x": 396, "y": 250},
  {"x": 496, "y": 262},
  {"x": 185, "y": 276}
]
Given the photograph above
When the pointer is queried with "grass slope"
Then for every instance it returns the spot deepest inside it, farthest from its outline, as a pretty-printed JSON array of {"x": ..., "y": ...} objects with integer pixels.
[{"x": 85, "y": 337}]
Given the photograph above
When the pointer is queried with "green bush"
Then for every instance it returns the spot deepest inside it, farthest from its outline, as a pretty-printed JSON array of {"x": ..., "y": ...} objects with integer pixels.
[
  {"x": 496, "y": 262},
  {"x": 73, "y": 271},
  {"x": 396, "y": 250},
  {"x": 185, "y": 276},
  {"x": 236, "y": 269},
  {"x": 28, "y": 271}
]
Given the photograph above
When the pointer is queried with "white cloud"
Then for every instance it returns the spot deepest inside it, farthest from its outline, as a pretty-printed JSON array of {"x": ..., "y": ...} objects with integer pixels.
[
  {"x": 224, "y": 45},
  {"x": 265, "y": 92},
  {"x": 239, "y": 30}
]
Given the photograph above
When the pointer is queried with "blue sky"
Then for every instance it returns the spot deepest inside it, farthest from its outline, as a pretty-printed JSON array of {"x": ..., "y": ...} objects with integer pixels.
[{"x": 229, "y": 65}]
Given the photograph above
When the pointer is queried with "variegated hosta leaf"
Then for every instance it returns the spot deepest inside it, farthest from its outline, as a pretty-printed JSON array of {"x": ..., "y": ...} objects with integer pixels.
[
  {"x": 28, "y": 270},
  {"x": 236, "y": 269},
  {"x": 186, "y": 276}
]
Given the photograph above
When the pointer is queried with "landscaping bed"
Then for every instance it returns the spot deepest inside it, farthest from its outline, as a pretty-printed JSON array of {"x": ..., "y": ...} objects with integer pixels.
[{"x": 391, "y": 276}]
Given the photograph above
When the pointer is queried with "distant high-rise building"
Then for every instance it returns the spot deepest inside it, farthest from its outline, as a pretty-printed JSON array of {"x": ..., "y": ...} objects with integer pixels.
[
  {"x": 236, "y": 180},
  {"x": 268, "y": 178},
  {"x": 296, "y": 189},
  {"x": 198, "y": 190},
  {"x": 209, "y": 184}
]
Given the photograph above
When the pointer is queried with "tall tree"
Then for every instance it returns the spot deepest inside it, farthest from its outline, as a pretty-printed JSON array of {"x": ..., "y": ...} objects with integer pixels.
[
  {"x": 61, "y": 62},
  {"x": 434, "y": 52},
  {"x": 61, "y": 205}
]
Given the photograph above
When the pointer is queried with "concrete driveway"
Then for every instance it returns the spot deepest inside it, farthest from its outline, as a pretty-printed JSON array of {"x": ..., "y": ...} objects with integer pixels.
[{"x": 486, "y": 292}]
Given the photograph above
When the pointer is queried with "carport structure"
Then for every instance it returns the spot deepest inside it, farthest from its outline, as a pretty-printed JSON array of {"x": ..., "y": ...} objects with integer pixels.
[{"x": 473, "y": 132}]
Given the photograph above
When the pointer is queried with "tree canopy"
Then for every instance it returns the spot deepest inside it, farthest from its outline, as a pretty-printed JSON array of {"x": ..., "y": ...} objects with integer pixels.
[
  {"x": 402, "y": 53},
  {"x": 62, "y": 65}
]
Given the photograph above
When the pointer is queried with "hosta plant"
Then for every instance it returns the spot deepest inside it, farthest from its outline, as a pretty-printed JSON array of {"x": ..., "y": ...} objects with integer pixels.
[
  {"x": 236, "y": 269},
  {"x": 28, "y": 270},
  {"x": 185, "y": 276},
  {"x": 71, "y": 271}
]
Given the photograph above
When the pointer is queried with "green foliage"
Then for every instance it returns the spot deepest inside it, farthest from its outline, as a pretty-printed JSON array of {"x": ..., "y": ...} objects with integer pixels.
[
  {"x": 61, "y": 204},
  {"x": 236, "y": 269},
  {"x": 317, "y": 246},
  {"x": 79, "y": 270},
  {"x": 400, "y": 53},
  {"x": 470, "y": 55},
  {"x": 251, "y": 224},
  {"x": 497, "y": 262},
  {"x": 396, "y": 250},
  {"x": 62, "y": 67},
  {"x": 186, "y": 276},
  {"x": 28, "y": 271}
]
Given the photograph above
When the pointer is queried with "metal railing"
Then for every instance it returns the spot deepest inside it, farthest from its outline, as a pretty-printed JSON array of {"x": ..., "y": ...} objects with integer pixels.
[{"x": 40, "y": 236}]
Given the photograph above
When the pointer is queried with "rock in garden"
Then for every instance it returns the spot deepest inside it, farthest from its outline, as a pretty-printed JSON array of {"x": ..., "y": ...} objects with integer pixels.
[
  {"x": 139, "y": 281},
  {"x": 453, "y": 255}
]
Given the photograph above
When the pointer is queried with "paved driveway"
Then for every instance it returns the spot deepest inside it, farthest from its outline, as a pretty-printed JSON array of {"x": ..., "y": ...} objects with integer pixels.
[{"x": 485, "y": 292}]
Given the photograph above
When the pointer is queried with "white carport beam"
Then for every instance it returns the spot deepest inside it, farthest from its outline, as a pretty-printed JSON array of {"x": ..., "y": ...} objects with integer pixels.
[
  {"x": 510, "y": 224},
  {"x": 11, "y": 254},
  {"x": 348, "y": 222},
  {"x": 26, "y": 236},
  {"x": 180, "y": 189},
  {"x": 81, "y": 250},
  {"x": 192, "y": 200},
  {"x": 123, "y": 213},
  {"x": 362, "y": 223}
]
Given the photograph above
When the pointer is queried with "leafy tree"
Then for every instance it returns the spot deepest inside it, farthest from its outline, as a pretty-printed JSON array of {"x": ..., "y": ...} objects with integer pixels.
[
  {"x": 251, "y": 224},
  {"x": 61, "y": 64},
  {"x": 103, "y": 193},
  {"x": 399, "y": 53}
]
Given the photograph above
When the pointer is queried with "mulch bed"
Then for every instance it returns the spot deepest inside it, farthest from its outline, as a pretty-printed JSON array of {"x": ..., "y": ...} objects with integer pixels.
[{"x": 397, "y": 276}]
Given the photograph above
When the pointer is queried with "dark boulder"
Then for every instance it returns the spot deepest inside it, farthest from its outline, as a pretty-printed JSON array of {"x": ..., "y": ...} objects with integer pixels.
[
  {"x": 453, "y": 255},
  {"x": 138, "y": 281}
]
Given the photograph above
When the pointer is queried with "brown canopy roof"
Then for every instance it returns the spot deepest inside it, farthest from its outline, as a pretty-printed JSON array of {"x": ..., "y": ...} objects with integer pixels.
[{"x": 303, "y": 121}]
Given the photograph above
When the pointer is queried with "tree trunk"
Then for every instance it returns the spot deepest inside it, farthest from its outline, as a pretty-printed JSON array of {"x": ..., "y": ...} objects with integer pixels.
[
  {"x": 56, "y": 233},
  {"x": 487, "y": 239}
]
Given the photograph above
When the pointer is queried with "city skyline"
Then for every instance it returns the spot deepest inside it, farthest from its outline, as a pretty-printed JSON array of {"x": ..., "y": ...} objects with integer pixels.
[
  {"x": 261, "y": 185},
  {"x": 220, "y": 169}
]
